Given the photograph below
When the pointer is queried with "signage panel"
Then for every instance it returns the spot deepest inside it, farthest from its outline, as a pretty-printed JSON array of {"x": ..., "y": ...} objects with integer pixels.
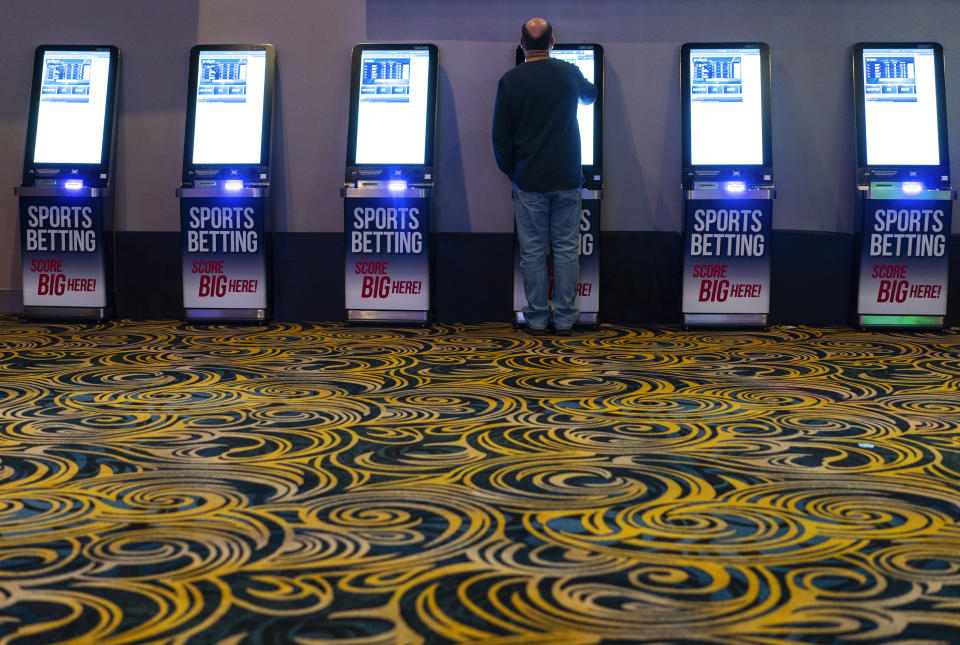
[
  {"x": 726, "y": 256},
  {"x": 387, "y": 260},
  {"x": 62, "y": 251},
  {"x": 588, "y": 286},
  {"x": 223, "y": 254},
  {"x": 904, "y": 257}
]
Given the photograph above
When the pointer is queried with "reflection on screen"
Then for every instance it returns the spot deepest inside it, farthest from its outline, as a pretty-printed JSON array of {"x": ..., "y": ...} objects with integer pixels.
[
  {"x": 900, "y": 107},
  {"x": 229, "y": 107},
  {"x": 72, "y": 109},
  {"x": 726, "y": 108},
  {"x": 392, "y": 107},
  {"x": 584, "y": 59}
]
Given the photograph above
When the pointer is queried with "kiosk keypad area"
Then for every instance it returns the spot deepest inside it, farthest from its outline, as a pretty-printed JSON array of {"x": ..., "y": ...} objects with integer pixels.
[
  {"x": 388, "y": 183},
  {"x": 66, "y": 199},
  {"x": 224, "y": 195},
  {"x": 588, "y": 57},
  {"x": 728, "y": 184},
  {"x": 903, "y": 178}
]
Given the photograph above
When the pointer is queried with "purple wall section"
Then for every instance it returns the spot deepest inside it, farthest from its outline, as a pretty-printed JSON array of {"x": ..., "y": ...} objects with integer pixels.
[{"x": 812, "y": 97}]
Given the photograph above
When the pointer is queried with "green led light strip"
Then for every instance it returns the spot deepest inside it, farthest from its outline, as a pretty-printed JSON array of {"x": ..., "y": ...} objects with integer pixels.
[{"x": 901, "y": 321}]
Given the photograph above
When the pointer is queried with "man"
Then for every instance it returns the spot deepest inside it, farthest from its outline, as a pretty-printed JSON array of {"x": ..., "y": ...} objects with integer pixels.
[{"x": 536, "y": 140}]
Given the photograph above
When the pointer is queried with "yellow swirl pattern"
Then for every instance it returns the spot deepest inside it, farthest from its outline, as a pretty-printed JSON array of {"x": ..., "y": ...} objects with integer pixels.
[{"x": 290, "y": 483}]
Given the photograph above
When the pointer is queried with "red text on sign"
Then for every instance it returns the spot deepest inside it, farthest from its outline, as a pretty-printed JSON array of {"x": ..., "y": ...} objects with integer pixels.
[
  {"x": 710, "y": 271},
  {"x": 900, "y": 290},
  {"x": 720, "y": 290},
  {"x": 374, "y": 268},
  {"x": 375, "y": 286}
]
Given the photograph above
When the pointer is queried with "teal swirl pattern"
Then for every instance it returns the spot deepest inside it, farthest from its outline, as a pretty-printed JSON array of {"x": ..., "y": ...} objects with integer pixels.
[{"x": 318, "y": 483}]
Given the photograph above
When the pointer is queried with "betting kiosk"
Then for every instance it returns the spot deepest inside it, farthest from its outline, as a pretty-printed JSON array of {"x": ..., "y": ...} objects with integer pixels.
[
  {"x": 66, "y": 198},
  {"x": 903, "y": 180},
  {"x": 388, "y": 183},
  {"x": 728, "y": 184},
  {"x": 589, "y": 58},
  {"x": 224, "y": 194}
]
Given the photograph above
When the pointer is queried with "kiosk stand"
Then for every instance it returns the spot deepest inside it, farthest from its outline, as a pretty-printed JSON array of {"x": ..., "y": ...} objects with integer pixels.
[
  {"x": 589, "y": 58},
  {"x": 66, "y": 199},
  {"x": 226, "y": 182},
  {"x": 388, "y": 183},
  {"x": 903, "y": 179},
  {"x": 728, "y": 184}
]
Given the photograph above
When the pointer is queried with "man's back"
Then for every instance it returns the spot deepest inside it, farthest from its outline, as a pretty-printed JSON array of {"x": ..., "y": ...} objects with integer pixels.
[{"x": 535, "y": 134}]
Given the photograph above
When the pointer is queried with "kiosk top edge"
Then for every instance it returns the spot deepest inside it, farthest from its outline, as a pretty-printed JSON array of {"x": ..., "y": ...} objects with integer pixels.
[
  {"x": 909, "y": 44},
  {"x": 79, "y": 48},
  {"x": 745, "y": 44},
  {"x": 233, "y": 46},
  {"x": 361, "y": 46}
]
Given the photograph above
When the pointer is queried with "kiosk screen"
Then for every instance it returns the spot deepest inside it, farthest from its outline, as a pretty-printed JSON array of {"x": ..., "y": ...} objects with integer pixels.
[
  {"x": 228, "y": 126},
  {"x": 900, "y": 107},
  {"x": 584, "y": 59},
  {"x": 726, "y": 107},
  {"x": 72, "y": 107},
  {"x": 392, "y": 106}
]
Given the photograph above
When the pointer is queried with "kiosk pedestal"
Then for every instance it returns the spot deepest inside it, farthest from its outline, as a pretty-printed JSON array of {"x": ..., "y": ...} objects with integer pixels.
[
  {"x": 226, "y": 182},
  {"x": 65, "y": 198},
  {"x": 66, "y": 238},
  {"x": 903, "y": 183},
  {"x": 588, "y": 287},
  {"x": 728, "y": 184},
  {"x": 726, "y": 257},
  {"x": 904, "y": 255},
  {"x": 387, "y": 253},
  {"x": 224, "y": 253}
]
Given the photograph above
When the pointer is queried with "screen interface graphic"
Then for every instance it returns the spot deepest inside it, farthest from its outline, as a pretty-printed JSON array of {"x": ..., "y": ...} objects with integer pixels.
[
  {"x": 726, "y": 107},
  {"x": 72, "y": 111},
  {"x": 228, "y": 126},
  {"x": 583, "y": 59},
  {"x": 392, "y": 107},
  {"x": 900, "y": 107}
]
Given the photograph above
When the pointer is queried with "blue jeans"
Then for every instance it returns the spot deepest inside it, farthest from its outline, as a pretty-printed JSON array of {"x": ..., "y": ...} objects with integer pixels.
[{"x": 552, "y": 217}]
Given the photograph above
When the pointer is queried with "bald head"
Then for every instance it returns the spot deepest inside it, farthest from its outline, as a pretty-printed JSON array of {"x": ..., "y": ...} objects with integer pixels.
[{"x": 536, "y": 35}]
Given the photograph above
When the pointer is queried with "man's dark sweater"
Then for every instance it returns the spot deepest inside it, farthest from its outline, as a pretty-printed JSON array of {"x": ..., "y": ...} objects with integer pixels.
[{"x": 536, "y": 138}]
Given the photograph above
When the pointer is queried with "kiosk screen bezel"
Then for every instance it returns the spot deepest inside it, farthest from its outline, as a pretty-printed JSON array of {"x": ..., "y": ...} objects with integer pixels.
[
  {"x": 752, "y": 173},
  {"x": 592, "y": 173},
  {"x": 416, "y": 172},
  {"x": 93, "y": 174},
  {"x": 251, "y": 172},
  {"x": 938, "y": 173}
]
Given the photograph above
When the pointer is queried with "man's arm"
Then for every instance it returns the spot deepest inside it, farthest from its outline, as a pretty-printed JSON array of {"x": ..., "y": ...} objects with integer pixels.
[
  {"x": 588, "y": 91},
  {"x": 503, "y": 132}
]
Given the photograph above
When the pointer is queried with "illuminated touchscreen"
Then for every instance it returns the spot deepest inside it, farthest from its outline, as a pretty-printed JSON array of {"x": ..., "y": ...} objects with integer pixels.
[
  {"x": 584, "y": 59},
  {"x": 726, "y": 107},
  {"x": 900, "y": 107},
  {"x": 72, "y": 109},
  {"x": 392, "y": 107},
  {"x": 228, "y": 126}
]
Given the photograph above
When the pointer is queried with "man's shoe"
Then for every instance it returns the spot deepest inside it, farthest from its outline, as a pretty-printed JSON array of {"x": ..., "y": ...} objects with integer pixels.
[
  {"x": 563, "y": 331},
  {"x": 535, "y": 331}
]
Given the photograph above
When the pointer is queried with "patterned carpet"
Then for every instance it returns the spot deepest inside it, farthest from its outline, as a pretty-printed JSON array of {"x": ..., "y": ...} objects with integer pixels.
[{"x": 162, "y": 482}]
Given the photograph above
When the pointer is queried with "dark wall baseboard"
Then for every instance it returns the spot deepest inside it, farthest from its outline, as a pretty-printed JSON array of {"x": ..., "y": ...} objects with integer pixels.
[
  {"x": 810, "y": 278},
  {"x": 148, "y": 281},
  {"x": 811, "y": 273}
]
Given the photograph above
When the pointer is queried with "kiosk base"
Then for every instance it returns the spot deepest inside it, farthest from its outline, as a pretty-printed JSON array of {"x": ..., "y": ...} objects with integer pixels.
[
  {"x": 585, "y": 319},
  {"x": 903, "y": 285},
  {"x": 71, "y": 313},
  {"x": 725, "y": 320},
  {"x": 387, "y": 316},
  {"x": 901, "y": 321},
  {"x": 225, "y": 315}
]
